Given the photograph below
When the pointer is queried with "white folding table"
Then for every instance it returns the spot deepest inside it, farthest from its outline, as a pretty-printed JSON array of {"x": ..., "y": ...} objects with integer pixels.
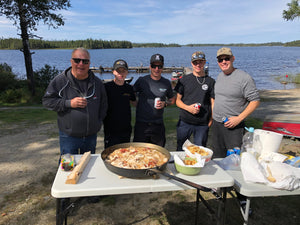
[
  {"x": 251, "y": 190},
  {"x": 97, "y": 180}
]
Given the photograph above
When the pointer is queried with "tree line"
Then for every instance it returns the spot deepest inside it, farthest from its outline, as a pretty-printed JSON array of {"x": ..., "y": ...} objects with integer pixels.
[{"x": 15, "y": 43}]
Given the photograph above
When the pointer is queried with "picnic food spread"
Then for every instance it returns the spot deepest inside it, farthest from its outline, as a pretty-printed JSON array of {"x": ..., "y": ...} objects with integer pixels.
[
  {"x": 196, "y": 149},
  {"x": 136, "y": 158}
]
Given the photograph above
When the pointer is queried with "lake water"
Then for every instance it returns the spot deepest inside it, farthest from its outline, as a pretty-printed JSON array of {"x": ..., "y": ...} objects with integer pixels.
[{"x": 264, "y": 64}]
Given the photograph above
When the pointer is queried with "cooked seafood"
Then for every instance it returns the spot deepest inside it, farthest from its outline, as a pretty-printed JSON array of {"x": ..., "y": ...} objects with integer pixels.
[{"x": 136, "y": 158}]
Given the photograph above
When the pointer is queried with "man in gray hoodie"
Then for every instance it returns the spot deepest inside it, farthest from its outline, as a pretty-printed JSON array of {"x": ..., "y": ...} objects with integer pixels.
[{"x": 79, "y": 98}]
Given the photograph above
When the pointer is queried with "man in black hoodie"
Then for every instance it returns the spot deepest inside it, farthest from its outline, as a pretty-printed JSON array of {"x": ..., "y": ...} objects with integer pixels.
[{"x": 79, "y": 98}]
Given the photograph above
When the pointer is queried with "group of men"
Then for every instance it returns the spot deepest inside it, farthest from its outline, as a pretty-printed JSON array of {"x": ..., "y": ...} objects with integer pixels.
[{"x": 83, "y": 103}]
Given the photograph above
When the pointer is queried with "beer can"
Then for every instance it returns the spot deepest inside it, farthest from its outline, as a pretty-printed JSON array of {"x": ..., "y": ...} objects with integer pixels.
[
  {"x": 230, "y": 152},
  {"x": 197, "y": 105},
  {"x": 237, "y": 150},
  {"x": 156, "y": 101},
  {"x": 224, "y": 119}
]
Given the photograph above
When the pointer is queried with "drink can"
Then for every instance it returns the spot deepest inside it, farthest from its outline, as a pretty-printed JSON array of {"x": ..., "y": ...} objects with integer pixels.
[
  {"x": 197, "y": 105},
  {"x": 230, "y": 152},
  {"x": 224, "y": 119},
  {"x": 237, "y": 150},
  {"x": 155, "y": 102}
]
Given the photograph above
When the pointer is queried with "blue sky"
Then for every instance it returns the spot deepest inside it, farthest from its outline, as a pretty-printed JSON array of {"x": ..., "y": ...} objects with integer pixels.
[{"x": 171, "y": 21}]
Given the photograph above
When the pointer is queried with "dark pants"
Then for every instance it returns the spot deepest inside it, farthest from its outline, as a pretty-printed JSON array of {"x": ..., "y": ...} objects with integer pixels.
[
  {"x": 111, "y": 139},
  {"x": 77, "y": 145},
  {"x": 185, "y": 130},
  {"x": 224, "y": 138},
  {"x": 150, "y": 133}
]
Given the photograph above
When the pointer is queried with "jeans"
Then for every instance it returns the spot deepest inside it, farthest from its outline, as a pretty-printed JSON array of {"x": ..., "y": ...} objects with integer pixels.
[
  {"x": 69, "y": 144},
  {"x": 185, "y": 130}
]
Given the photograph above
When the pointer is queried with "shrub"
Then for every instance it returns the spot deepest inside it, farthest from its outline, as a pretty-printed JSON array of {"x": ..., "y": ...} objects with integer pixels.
[
  {"x": 7, "y": 78},
  {"x": 43, "y": 76},
  {"x": 13, "y": 90}
]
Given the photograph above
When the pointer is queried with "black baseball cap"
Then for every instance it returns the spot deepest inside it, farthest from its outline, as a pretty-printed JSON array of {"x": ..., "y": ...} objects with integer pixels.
[
  {"x": 157, "y": 58},
  {"x": 120, "y": 63}
]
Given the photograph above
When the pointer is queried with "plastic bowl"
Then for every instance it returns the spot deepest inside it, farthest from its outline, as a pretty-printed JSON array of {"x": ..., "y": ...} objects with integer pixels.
[{"x": 187, "y": 170}]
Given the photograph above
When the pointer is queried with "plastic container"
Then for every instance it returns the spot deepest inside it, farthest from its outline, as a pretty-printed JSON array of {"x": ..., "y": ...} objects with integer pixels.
[
  {"x": 265, "y": 142},
  {"x": 231, "y": 162},
  {"x": 248, "y": 140}
]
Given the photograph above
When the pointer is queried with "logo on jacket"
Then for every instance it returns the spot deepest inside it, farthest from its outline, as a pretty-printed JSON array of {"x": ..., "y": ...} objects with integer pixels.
[{"x": 204, "y": 87}]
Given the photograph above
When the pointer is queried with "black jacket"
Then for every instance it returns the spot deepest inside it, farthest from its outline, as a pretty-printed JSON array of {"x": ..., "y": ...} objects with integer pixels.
[{"x": 76, "y": 122}]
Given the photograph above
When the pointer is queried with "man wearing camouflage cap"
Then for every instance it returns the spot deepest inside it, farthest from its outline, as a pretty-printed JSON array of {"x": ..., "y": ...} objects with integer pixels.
[{"x": 236, "y": 97}]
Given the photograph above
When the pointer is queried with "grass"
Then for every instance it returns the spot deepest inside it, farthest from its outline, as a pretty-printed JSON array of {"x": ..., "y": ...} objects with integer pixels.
[
  {"x": 39, "y": 115},
  {"x": 27, "y": 116}
]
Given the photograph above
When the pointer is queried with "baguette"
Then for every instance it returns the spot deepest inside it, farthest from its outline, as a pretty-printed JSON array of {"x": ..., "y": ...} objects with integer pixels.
[{"x": 77, "y": 171}]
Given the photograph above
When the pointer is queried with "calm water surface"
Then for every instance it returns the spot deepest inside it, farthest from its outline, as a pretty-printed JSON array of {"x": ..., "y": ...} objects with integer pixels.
[{"x": 264, "y": 64}]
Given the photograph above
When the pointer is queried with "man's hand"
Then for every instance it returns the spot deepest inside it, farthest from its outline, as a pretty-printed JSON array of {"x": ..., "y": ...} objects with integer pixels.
[
  {"x": 78, "y": 102},
  {"x": 232, "y": 122},
  {"x": 193, "y": 109}
]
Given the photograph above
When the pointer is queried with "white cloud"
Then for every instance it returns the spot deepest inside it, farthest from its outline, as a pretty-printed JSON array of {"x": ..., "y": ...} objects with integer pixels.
[{"x": 177, "y": 21}]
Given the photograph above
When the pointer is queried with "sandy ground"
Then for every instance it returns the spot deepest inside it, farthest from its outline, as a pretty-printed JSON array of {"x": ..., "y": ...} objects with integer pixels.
[{"x": 29, "y": 157}]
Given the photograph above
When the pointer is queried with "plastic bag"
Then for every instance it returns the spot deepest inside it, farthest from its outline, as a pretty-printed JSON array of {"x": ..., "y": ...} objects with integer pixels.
[
  {"x": 231, "y": 162},
  {"x": 251, "y": 169}
]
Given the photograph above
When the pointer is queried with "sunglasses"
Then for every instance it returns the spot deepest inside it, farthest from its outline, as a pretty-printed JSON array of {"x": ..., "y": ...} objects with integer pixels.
[
  {"x": 84, "y": 61},
  {"x": 198, "y": 56},
  {"x": 158, "y": 66},
  {"x": 226, "y": 59}
]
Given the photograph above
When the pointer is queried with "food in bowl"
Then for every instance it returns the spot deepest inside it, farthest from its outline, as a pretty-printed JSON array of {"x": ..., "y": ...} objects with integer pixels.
[
  {"x": 180, "y": 159},
  {"x": 189, "y": 161},
  {"x": 137, "y": 158},
  {"x": 196, "y": 149}
]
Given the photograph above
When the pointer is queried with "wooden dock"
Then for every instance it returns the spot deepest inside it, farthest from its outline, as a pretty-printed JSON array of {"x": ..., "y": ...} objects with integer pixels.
[{"x": 137, "y": 69}]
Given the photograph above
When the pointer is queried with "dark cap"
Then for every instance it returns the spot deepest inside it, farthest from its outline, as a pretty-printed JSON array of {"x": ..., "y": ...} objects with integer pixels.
[
  {"x": 199, "y": 55},
  {"x": 120, "y": 63},
  {"x": 157, "y": 58}
]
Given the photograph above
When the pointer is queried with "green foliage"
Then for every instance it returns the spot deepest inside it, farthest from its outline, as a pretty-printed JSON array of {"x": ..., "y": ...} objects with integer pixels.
[
  {"x": 13, "y": 90},
  {"x": 154, "y": 45},
  {"x": 26, "y": 14},
  {"x": 254, "y": 122},
  {"x": 293, "y": 10},
  {"x": 7, "y": 78},
  {"x": 43, "y": 76},
  {"x": 15, "y": 43},
  {"x": 292, "y": 44}
]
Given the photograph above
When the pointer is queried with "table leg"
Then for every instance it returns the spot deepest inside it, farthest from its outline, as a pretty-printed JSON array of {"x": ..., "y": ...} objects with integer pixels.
[
  {"x": 222, "y": 206},
  {"x": 246, "y": 213},
  {"x": 197, "y": 206},
  {"x": 199, "y": 196},
  {"x": 62, "y": 206}
]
